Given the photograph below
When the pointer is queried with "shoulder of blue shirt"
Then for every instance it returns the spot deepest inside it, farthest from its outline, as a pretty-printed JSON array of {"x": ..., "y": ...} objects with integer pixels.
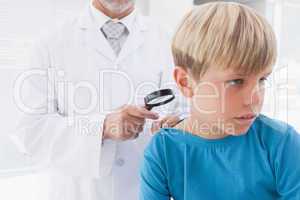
[{"x": 268, "y": 131}]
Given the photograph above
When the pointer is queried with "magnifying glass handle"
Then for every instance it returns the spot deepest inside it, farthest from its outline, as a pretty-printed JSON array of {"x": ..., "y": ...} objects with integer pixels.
[{"x": 148, "y": 107}]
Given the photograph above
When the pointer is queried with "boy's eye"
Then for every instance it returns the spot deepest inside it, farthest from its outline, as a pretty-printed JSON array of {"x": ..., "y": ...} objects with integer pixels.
[
  {"x": 263, "y": 80},
  {"x": 235, "y": 82}
]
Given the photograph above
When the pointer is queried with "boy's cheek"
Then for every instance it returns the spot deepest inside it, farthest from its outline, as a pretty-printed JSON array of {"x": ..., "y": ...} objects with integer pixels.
[{"x": 204, "y": 106}]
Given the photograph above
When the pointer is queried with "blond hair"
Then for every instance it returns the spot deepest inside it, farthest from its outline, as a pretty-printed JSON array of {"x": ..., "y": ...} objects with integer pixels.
[{"x": 227, "y": 35}]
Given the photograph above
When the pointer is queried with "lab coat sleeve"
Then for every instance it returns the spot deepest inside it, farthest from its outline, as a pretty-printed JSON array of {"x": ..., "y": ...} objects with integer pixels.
[{"x": 50, "y": 139}]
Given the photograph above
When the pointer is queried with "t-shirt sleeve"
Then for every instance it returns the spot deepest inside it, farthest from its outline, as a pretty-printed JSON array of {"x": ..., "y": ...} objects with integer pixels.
[
  {"x": 152, "y": 173},
  {"x": 287, "y": 165}
]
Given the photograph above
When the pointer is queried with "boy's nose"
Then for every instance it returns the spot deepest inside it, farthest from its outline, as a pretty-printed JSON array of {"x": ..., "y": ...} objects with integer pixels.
[{"x": 252, "y": 96}]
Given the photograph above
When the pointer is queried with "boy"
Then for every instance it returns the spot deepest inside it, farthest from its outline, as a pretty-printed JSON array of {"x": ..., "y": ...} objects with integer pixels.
[{"x": 225, "y": 149}]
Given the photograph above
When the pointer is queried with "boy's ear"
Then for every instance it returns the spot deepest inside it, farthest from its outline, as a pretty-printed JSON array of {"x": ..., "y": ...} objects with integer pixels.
[{"x": 183, "y": 81}]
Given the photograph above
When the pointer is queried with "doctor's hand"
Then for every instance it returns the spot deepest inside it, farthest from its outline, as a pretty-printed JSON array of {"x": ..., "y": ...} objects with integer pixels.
[
  {"x": 126, "y": 123},
  {"x": 168, "y": 121}
]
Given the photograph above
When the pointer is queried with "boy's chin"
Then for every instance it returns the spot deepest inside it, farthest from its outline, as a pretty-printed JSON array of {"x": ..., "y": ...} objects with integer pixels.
[
  {"x": 239, "y": 130},
  {"x": 236, "y": 127}
]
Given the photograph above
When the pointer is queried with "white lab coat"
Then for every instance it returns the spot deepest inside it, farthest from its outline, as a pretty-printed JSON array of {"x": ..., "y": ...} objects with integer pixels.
[{"x": 78, "y": 56}]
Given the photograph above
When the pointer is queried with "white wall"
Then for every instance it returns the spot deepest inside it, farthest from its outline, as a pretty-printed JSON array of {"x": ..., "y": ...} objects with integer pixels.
[
  {"x": 169, "y": 12},
  {"x": 21, "y": 22}
]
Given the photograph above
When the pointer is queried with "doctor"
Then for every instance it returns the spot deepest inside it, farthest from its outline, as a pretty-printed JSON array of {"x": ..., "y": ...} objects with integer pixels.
[{"x": 80, "y": 97}]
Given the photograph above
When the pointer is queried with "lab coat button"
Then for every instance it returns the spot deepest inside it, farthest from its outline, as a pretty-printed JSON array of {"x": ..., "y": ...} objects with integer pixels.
[{"x": 120, "y": 162}]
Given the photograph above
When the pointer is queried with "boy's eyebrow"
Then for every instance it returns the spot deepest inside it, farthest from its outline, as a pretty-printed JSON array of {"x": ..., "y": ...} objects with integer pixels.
[
  {"x": 243, "y": 75},
  {"x": 268, "y": 73},
  {"x": 235, "y": 74}
]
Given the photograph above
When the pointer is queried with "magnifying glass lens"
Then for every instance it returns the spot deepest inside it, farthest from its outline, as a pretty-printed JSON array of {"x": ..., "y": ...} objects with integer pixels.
[{"x": 158, "y": 98}]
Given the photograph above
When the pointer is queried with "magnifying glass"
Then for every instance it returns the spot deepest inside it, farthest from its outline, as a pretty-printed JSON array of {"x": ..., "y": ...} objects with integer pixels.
[{"x": 158, "y": 98}]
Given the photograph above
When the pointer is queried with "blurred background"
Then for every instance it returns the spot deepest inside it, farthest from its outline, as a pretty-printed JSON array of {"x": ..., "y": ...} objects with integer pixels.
[{"x": 23, "y": 21}]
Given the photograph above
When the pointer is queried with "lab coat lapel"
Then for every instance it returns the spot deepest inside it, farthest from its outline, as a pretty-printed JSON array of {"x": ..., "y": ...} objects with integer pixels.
[
  {"x": 135, "y": 39},
  {"x": 99, "y": 43},
  {"x": 94, "y": 37}
]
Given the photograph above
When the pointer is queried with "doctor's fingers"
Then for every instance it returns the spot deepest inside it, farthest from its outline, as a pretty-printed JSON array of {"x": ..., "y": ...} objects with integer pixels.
[
  {"x": 136, "y": 120},
  {"x": 155, "y": 126},
  {"x": 125, "y": 128},
  {"x": 141, "y": 112},
  {"x": 134, "y": 126},
  {"x": 169, "y": 121},
  {"x": 131, "y": 131}
]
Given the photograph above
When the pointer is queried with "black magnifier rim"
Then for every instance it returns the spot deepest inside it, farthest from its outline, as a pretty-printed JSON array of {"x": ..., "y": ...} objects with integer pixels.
[{"x": 156, "y": 94}]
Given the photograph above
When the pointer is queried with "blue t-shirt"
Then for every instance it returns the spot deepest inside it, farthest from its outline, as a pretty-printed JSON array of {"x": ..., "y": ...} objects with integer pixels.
[{"x": 262, "y": 164}]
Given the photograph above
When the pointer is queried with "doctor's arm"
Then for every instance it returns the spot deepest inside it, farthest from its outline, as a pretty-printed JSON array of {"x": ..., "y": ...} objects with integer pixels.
[{"x": 49, "y": 138}]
